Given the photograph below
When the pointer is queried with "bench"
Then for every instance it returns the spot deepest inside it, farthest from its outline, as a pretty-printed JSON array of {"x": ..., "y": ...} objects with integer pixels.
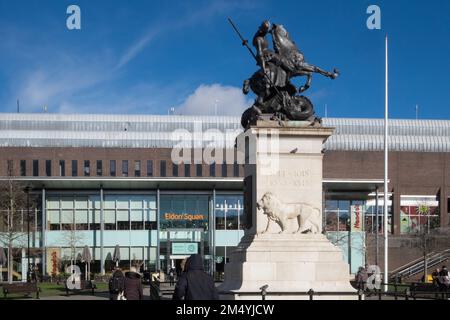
[
  {"x": 84, "y": 286},
  {"x": 429, "y": 289},
  {"x": 24, "y": 287}
]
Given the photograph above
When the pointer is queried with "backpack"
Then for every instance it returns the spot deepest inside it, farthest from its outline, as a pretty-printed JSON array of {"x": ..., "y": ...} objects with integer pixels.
[{"x": 117, "y": 283}]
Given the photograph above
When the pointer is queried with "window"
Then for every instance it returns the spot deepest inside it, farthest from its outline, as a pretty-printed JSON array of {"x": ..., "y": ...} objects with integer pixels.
[
  {"x": 418, "y": 214},
  {"x": 81, "y": 213},
  {"x": 54, "y": 221},
  {"x": 35, "y": 168},
  {"x": 23, "y": 168},
  {"x": 87, "y": 168},
  {"x": 124, "y": 168},
  {"x": 224, "y": 170},
  {"x": 198, "y": 170},
  {"x": 74, "y": 168},
  {"x": 162, "y": 169},
  {"x": 212, "y": 169},
  {"x": 149, "y": 168},
  {"x": 174, "y": 208},
  {"x": 48, "y": 168},
  {"x": 174, "y": 170},
  {"x": 235, "y": 169},
  {"x": 112, "y": 168},
  {"x": 9, "y": 167},
  {"x": 150, "y": 214},
  {"x": 187, "y": 170},
  {"x": 62, "y": 168},
  {"x": 99, "y": 168},
  {"x": 110, "y": 219},
  {"x": 123, "y": 220},
  {"x": 137, "y": 168},
  {"x": 229, "y": 212}
]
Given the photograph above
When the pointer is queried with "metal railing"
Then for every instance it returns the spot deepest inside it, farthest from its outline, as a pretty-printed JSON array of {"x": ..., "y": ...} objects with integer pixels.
[
  {"x": 414, "y": 267},
  {"x": 396, "y": 291},
  {"x": 311, "y": 294},
  {"x": 407, "y": 292}
]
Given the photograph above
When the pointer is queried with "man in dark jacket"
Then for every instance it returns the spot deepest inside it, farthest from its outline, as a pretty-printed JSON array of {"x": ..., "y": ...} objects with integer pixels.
[
  {"x": 116, "y": 284},
  {"x": 133, "y": 285},
  {"x": 194, "y": 283}
]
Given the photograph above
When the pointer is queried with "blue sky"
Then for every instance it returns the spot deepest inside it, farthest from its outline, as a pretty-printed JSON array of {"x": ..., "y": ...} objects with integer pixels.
[{"x": 145, "y": 57}]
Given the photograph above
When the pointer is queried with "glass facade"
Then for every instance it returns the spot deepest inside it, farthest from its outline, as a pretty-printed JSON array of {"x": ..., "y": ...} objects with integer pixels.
[
  {"x": 229, "y": 212},
  {"x": 184, "y": 212},
  {"x": 338, "y": 215},
  {"x": 187, "y": 224},
  {"x": 122, "y": 213}
]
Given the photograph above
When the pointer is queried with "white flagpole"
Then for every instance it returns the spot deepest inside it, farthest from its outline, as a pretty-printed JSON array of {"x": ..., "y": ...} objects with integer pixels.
[{"x": 386, "y": 191}]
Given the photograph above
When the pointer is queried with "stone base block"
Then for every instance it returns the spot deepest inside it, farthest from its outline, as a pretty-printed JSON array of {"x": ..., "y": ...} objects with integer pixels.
[{"x": 287, "y": 263}]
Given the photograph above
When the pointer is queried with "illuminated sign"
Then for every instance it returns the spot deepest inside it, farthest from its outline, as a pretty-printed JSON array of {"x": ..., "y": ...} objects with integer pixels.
[
  {"x": 184, "y": 248},
  {"x": 183, "y": 216}
]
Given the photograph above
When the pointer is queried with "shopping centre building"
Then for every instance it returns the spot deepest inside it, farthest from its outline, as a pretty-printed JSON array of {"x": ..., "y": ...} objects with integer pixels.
[{"x": 110, "y": 180}]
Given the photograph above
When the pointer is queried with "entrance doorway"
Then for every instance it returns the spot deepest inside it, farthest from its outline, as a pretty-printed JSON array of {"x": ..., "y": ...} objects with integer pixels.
[{"x": 176, "y": 262}]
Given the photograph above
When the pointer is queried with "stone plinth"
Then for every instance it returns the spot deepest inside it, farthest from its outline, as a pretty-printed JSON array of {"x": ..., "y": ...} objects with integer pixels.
[{"x": 284, "y": 186}]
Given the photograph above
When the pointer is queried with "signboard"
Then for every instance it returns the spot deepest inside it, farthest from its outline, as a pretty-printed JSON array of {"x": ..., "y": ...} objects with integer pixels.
[
  {"x": 183, "y": 216},
  {"x": 357, "y": 217},
  {"x": 53, "y": 259},
  {"x": 184, "y": 248}
]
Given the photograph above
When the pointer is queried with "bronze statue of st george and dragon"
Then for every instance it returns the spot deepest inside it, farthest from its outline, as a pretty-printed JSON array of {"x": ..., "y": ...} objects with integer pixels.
[{"x": 277, "y": 98}]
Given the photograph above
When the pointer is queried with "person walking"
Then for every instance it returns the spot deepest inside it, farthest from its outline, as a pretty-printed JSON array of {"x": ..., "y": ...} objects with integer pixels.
[
  {"x": 435, "y": 276},
  {"x": 116, "y": 285},
  {"x": 361, "y": 279},
  {"x": 195, "y": 283},
  {"x": 171, "y": 277},
  {"x": 444, "y": 279},
  {"x": 133, "y": 285}
]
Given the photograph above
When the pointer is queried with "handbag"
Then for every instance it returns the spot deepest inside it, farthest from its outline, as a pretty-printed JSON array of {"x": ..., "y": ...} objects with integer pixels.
[{"x": 121, "y": 296}]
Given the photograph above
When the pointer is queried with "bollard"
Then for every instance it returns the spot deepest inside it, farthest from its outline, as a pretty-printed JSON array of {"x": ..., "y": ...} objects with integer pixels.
[
  {"x": 360, "y": 294},
  {"x": 264, "y": 291},
  {"x": 311, "y": 294}
]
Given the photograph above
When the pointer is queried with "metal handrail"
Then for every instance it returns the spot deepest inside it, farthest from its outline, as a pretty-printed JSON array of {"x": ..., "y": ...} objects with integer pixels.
[{"x": 413, "y": 268}]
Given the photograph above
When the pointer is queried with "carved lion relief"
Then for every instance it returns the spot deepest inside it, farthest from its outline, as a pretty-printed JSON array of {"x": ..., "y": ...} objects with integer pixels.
[{"x": 308, "y": 216}]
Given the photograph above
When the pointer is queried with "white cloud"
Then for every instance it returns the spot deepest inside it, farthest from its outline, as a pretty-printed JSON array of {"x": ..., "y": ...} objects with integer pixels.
[
  {"x": 137, "y": 47},
  {"x": 163, "y": 27},
  {"x": 207, "y": 99},
  {"x": 52, "y": 85}
]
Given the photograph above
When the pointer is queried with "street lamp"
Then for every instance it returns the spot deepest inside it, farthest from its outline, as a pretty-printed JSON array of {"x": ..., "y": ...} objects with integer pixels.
[{"x": 27, "y": 189}]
